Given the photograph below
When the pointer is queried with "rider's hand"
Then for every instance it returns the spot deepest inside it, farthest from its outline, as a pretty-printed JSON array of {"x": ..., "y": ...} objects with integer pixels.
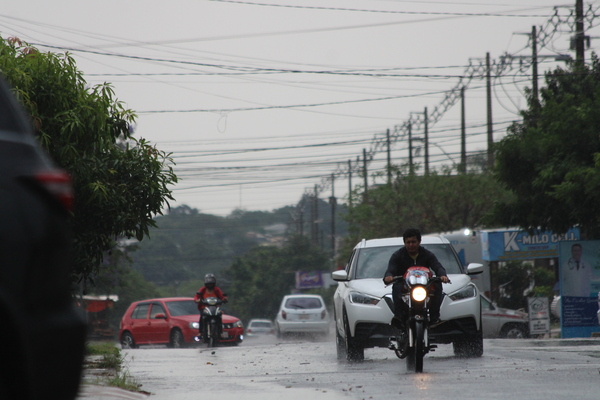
[
  {"x": 444, "y": 279},
  {"x": 388, "y": 279}
]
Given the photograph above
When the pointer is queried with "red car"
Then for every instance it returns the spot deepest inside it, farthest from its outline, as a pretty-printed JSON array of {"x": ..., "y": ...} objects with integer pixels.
[{"x": 172, "y": 321}]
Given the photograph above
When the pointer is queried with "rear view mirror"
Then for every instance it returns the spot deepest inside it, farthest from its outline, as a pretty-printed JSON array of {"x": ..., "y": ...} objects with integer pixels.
[
  {"x": 474, "y": 269},
  {"x": 339, "y": 276}
]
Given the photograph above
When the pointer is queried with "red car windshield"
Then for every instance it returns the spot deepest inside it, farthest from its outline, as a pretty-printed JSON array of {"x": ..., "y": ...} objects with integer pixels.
[{"x": 182, "y": 307}]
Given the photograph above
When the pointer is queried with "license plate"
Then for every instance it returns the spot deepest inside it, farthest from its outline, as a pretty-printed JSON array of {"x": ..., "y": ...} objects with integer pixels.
[
  {"x": 224, "y": 335},
  {"x": 303, "y": 316}
]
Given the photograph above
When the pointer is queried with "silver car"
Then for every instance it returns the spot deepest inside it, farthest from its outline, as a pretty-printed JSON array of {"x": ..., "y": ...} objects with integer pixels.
[
  {"x": 302, "y": 313},
  {"x": 502, "y": 322},
  {"x": 260, "y": 327}
]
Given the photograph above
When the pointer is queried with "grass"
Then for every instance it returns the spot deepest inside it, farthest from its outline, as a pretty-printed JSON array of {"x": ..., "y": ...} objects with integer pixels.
[{"x": 108, "y": 358}]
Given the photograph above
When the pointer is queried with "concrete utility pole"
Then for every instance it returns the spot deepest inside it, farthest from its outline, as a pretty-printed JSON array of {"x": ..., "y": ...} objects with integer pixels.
[
  {"x": 333, "y": 202},
  {"x": 315, "y": 217},
  {"x": 366, "y": 197},
  {"x": 490, "y": 128},
  {"x": 463, "y": 133},
  {"x": 426, "y": 139},
  {"x": 410, "y": 150},
  {"x": 389, "y": 158},
  {"x": 534, "y": 62},
  {"x": 350, "y": 183},
  {"x": 580, "y": 37}
]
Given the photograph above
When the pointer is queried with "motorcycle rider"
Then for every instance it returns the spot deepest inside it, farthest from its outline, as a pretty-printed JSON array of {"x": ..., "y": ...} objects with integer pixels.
[
  {"x": 412, "y": 254},
  {"x": 210, "y": 289}
]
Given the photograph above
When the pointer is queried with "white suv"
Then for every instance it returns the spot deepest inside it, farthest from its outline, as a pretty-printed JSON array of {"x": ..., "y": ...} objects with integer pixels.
[{"x": 363, "y": 304}]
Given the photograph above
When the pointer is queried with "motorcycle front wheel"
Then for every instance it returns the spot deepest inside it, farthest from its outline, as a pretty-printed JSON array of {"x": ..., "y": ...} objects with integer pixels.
[{"x": 415, "y": 354}]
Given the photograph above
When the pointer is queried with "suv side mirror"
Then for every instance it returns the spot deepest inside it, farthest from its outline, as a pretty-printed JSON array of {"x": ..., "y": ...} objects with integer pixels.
[
  {"x": 340, "y": 276},
  {"x": 474, "y": 269}
]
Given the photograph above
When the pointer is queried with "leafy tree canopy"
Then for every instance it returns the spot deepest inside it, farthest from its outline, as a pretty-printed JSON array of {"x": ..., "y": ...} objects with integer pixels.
[
  {"x": 119, "y": 182},
  {"x": 261, "y": 278},
  {"x": 551, "y": 159},
  {"x": 438, "y": 202}
]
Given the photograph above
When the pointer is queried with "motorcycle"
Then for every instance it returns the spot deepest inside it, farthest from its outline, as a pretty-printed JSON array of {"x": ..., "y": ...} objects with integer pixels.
[
  {"x": 212, "y": 324},
  {"x": 412, "y": 343}
]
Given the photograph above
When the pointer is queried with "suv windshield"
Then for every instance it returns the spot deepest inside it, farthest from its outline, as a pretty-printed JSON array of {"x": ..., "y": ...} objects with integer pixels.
[{"x": 373, "y": 262}]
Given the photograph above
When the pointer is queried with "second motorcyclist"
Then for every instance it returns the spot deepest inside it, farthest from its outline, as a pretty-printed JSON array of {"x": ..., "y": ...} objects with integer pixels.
[
  {"x": 210, "y": 289},
  {"x": 412, "y": 254}
]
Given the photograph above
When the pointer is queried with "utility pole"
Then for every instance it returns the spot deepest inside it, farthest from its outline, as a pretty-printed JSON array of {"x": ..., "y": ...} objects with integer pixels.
[
  {"x": 410, "y": 150},
  {"x": 463, "y": 133},
  {"x": 333, "y": 202},
  {"x": 349, "y": 183},
  {"x": 580, "y": 37},
  {"x": 426, "y": 134},
  {"x": 315, "y": 217},
  {"x": 534, "y": 62},
  {"x": 365, "y": 196},
  {"x": 389, "y": 158},
  {"x": 490, "y": 130}
]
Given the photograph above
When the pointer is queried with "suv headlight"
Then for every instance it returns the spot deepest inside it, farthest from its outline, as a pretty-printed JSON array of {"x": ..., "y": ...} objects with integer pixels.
[
  {"x": 464, "y": 293},
  {"x": 238, "y": 324},
  {"x": 361, "y": 298}
]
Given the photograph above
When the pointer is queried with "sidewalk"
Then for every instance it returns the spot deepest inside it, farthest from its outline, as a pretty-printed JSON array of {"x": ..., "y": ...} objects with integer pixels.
[{"x": 97, "y": 392}]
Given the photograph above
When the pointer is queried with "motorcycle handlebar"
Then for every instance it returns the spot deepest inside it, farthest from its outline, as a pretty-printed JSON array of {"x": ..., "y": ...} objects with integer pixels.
[{"x": 397, "y": 279}]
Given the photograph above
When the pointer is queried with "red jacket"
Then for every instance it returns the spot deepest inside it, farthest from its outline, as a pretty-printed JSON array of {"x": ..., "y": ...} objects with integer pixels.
[{"x": 218, "y": 293}]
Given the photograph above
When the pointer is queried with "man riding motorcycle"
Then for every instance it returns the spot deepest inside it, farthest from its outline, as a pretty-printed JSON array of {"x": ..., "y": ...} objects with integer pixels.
[
  {"x": 209, "y": 289},
  {"x": 412, "y": 254}
]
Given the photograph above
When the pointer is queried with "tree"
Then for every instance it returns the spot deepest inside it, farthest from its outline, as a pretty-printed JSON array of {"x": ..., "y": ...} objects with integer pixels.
[
  {"x": 261, "y": 278},
  {"x": 437, "y": 202},
  {"x": 120, "y": 182},
  {"x": 551, "y": 159}
]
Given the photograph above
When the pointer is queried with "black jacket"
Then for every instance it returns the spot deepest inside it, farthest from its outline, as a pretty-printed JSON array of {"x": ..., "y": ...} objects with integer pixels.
[{"x": 400, "y": 261}]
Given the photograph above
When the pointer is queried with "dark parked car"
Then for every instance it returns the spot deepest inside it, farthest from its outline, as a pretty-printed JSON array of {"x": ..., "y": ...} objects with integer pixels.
[
  {"x": 42, "y": 339},
  {"x": 172, "y": 321}
]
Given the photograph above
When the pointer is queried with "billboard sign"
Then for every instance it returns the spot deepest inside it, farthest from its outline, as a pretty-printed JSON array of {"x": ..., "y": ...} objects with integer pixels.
[{"x": 579, "y": 279}]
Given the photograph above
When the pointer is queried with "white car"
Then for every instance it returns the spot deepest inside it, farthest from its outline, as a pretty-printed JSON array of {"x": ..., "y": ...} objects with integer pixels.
[
  {"x": 502, "y": 322},
  {"x": 363, "y": 303},
  {"x": 260, "y": 327},
  {"x": 302, "y": 313}
]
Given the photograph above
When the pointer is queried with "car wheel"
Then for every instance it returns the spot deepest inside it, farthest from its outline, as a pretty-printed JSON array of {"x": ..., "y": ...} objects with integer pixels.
[
  {"x": 340, "y": 344},
  {"x": 127, "y": 341},
  {"x": 354, "y": 350},
  {"x": 176, "y": 341},
  {"x": 511, "y": 331}
]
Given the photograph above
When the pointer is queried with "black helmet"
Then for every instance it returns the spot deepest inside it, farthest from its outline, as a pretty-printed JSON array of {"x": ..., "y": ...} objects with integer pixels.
[{"x": 210, "y": 281}]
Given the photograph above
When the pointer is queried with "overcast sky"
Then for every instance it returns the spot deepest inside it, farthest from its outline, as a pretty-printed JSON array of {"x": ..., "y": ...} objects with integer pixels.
[{"x": 259, "y": 101}]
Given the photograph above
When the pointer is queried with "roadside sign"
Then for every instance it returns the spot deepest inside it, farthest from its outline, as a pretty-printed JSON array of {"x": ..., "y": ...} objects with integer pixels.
[{"x": 539, "y": 315}]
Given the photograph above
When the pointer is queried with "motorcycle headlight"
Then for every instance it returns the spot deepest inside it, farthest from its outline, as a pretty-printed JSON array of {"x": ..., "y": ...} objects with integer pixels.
[
  {"x": 195, "y": 325},
  {"x": 464, "y": 293},
  {"x": 238, "y": 324},
  {"x": 361, "y": 298},
  {"x": 419, "y": 293}
]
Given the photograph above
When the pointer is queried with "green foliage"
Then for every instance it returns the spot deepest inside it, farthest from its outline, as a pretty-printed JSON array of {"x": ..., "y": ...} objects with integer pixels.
[
  {"x": 118, "y": 278},
  {"x": 101, "y": 349},
  {"x": 264, "y": 275},
  {"x": 119, "y": 182},
  {"x": 551, "y": 160},
  {"x": 438, "y": 202},
  {"x": 513, "y": 279}
]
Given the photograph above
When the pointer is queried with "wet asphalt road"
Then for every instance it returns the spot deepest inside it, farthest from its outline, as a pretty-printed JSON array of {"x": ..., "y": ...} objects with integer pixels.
[{"x": 304, "y": 369}]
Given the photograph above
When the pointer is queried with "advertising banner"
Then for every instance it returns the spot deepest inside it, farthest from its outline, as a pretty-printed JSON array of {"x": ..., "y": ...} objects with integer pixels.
[
  {"x": 518, "y": 245},
  {"x": 309, "y": 279},
  {"x": 579, "y": 279}
]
